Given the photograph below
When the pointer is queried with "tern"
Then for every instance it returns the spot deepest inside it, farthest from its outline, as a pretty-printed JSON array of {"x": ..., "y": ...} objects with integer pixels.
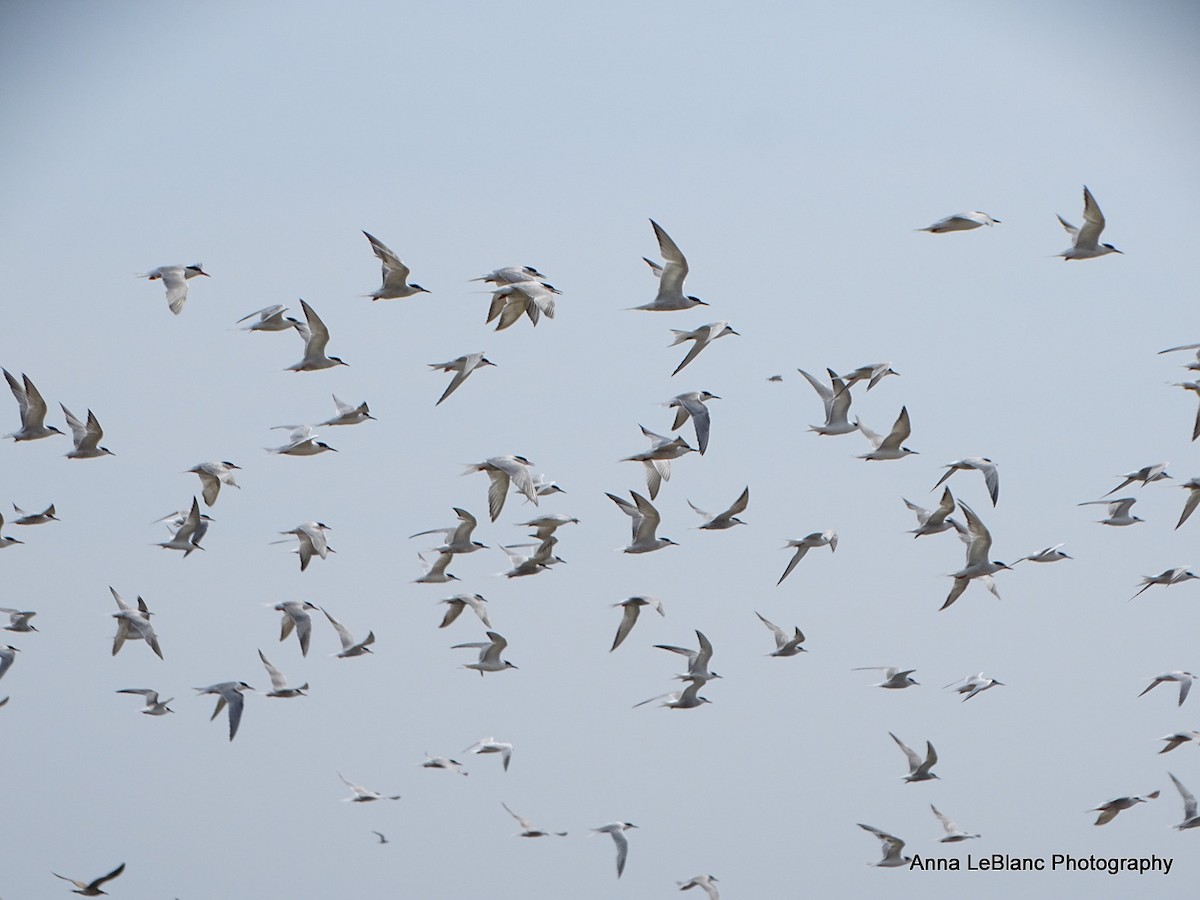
[
  {"x": 395, "y": 275},
  {"x": 726, "y": 519},
  {"x": 632, "y": 608},
  {"x": 973, "y": 684},
  {"x": 1184, "y": 679},
  {"x": 1192, "y": 486},
  {"x": 708, "y": 882},
  {"x": 1108, "y": 811},
  {"x": 688, "y": 698},
  {"x": 1046, "y": 555},
  {"x": 87, "y": 437},
  {"x": 698, "y": 660},
  {"x": 785, "y": 644},
  {"x": 991, "y": 474},
  {"x": 703, "y": 336},
  {"x": 228, "y": 692},
  {"x": 501, "y": 470},
  {"x": 382, "y": 838},
  {"x": 362, "y": 794},
  {"x": 657, "y": 459},
  {"x": 24, "y": 518},
  {"x": 670, "y": 276},
  {"x": 1178, "y": 738},
  {"x": 645, "y": 523},
  {"x": 32, "y": 408},
  {"x": 547, "y": 524},
  {"x": 872, "y": 374},
  {"x": 1167, "y": 578},
  {"x": 175, "y": 279},
  {"x": 295, "y": 616},
  {"x": 978, "y": 565},
  {"x": 350, "y": 647},
  {"x": 954, "y": 834},
  {"x": 153, "y": 706},
  {"x": 511, "y": 275},
  {"x": 491, "y": 745},
  {"x": 461, "y": 367},
  {"x": 691, "y": 406},
  {"x": 893, "y": 678},
  {"x": 302, "y": 441},
  {"x": 133, "y": 624},
  {"x": 1087, "y": 239},
  {"x": 436, "y": 573},
  {"x": 458, "y": 537},
  {"x": 528, "y": 298},
  {"x": 316, "y": 338},
  {"x": 92, "y": 888},
  {"x": 212, "y": 476},
  {"x": 543, "y": 487},
  {"x": 541, "y": 560},
  {"x": 918, "y": 769},
  {"x": 617, "y": 831},
  {"x": 935, "y": 521},
  {"x": 270, "y": 318},
  {"x": 18, "y": 620},
  {"x": 8, "y": 655},
  {"x": 528, "y": 829},
  {"x": 441, "y": 762},
  {"x": 816, "y": 539},
  {"x": 1145, "y": 475},
  {"x": 348, "y": 413},
  {"x": 889, "y": 447},
  {"x": 279, "y": 685},
  {"x": 312, "y": 541},
  {"x": 1118, "y": 511},
  {"x": 489, "y": 654},
  {"x": 961, "y": 222},
  {"x": 7, "y": 541},
  {"x": 1194, "y": 387},
  {"x": 836, "y": 399},
  {"x": 1190, "y": 818},
  {"x": 892, "y": 847},
  {"x": 456, "y": 604}
]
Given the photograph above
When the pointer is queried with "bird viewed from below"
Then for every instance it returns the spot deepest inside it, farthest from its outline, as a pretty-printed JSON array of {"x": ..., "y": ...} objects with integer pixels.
[
  {"x": 395, "y": 274},
  {"x": 670, "y": 276},
  {"x": 1087, "y": 239},
  {"x": 961, "y": 222},
  {"x": 175, "y": 280}
]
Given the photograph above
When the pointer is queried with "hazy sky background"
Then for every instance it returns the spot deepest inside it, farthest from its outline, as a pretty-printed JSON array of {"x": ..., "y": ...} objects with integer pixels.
[{"x": 790, "y": 149}]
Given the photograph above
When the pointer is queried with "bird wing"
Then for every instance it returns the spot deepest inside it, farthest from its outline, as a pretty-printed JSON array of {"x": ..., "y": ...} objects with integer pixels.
[
  {"x": 628, "y": 618},
  {"x": 914, "y": 761}
]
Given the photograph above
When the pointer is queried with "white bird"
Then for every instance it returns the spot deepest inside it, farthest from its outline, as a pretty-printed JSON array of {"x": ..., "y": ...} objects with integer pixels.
[
  {"x": 32, "y": 407},
  {"x": 991, "y": 474},
  {"x": 785, "y": 644},
  {"x": 645, "y": 523},
  {"x": 703, "y": 336},
  {"x": 1167, "y": 578},
  {"x": 311, "y": 541},
  {"x": 462, "y": 366},
  {"x": 528, "y": 829},
  {"x": 978, "y": 565},
  {"x": 890, "y": 447},
  {"x": 441, "y": 762},
  {"x": 18, "y": 620},
  {"x": 7, "y": 541},
  {"x": 501, "y": 470},
  {"x": 133, "y": 624},
  {"x": 698, "y": 660},
  {"x": 935, "y": 521},
  {"x": 632, "y": 608},
  {"x": 175, "y": 279},
  {"x": 395, "y": 275},
  {"x": 1108, "y": 811},
  {"x": 1192, "y": 486},
  {"x": 692, "y": 406},
  {"x": 348, "y": 413},
  {"x": 657, "y": 459},
  {"x": 153, "y": 707},
  {"x": 1145, "y": 475},
  {"x": 1046, "y": 555},
  {"x": 1087, "y": 239},
  {"x": 726, "y": 519},
  {"x": 528, "y": 298},
  {"x": 87, "y": 437},
  {"x": 961, "y": 222},
  {"x": 1118, "y": 511},
  {"x": 1194, "y": 387},
  {"x": 892, "y": 847},
  {"x": 918, "y": 769},
  {"x": 350, "y": 647},
  {"x": 670, "y": 276},
  {"x": 316, "y": 339},
  {"x": 688, "y": 698},
  {"x": 893, "y": 678},
  {"x": 91, "y": 888},
  {"x": 228, "y": 692},
  {"x": 546, "y": 525},
  {"x": 543, "y": 487},
  {"x": 808, "y": 542},
  {"x": 362, "y": 794},
  {"x": 973, "y": 684},
  {"x": 541, "y": 560},
  {"x": 456, "y": 604},
  {"x": 436, "y": 573},
  {"x": 8, "y": 655},
  {"x": 279, "y": 685},
  {"x": 1190, "y": 818},
  {"x": 836, "y": 399},
  {"x": 491, "y": 745},
  {"x": 1178, "y": 738},
  {"x": 302, "y": 441},
  {"x": 511, "y": 274},
  {"x": 489, "y": 654},
  {"x": 212, "y": 476},
  {"x": 954, "y": 834},
  {"x": 708, "y": 882},
  {"x": 1183, "y": 678},
  {"x": 295, "y": 616},
  {"x": 872, "y": 374},
  {"x": 617, "y": 831},
  {"x": 270, "y": 318},
  {"x": 24, "y": 518},
  {"x": 458, "y": 537}
]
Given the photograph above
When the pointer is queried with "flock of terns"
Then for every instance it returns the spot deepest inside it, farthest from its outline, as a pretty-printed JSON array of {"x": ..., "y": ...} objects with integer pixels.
[{"x": 523, "y": 292}]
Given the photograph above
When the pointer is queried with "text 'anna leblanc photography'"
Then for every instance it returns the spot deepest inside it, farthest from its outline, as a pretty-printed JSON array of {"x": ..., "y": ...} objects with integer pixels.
[{"x": 1064, "y": 862}]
